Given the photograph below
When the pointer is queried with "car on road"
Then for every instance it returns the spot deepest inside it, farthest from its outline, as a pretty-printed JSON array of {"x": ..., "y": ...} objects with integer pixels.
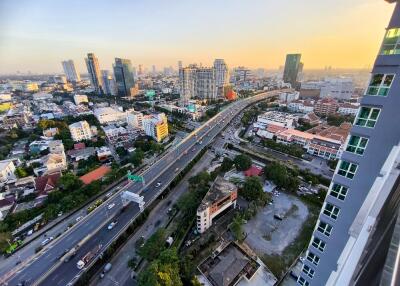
[
  {"x": 111, "y": 225},
  {"x": 108, "y": 194},
  {"x": 158, "y": 184},
  {"x": 177, "y": 169},
  {"x": 47, "y": 240},
  {"x": 110, "y": 206},
  {"x": 78, "y": 218}
]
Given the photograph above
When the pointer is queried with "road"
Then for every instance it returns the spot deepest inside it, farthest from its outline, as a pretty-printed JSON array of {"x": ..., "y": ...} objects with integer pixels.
[
  {"x": 46, "y": 268},
  {"x": 120, "y": 272}
]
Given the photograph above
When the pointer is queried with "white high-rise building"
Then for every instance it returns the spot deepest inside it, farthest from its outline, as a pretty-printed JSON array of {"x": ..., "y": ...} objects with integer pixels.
[
  {"x": 134, "y": 118},
  {"x": 70, "y": 71},
  {"x": 221, "y": 75},
  {"x": 187, "y": 77}
]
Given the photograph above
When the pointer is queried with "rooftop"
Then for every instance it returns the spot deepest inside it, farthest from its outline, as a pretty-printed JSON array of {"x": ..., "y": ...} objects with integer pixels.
[
  {"x": 96, "y": 174},
  {"x": 219, "y": 190}
]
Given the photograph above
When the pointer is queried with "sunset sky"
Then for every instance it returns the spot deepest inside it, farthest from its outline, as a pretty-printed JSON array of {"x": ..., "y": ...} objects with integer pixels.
[{"x": 37, "y": 35}]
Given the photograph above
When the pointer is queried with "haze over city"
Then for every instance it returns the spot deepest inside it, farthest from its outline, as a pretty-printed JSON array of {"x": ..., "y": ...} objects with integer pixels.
[{"x": 36, "y": 35}]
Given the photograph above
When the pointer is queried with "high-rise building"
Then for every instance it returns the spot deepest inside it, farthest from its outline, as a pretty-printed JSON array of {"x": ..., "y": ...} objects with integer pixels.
[
  {"x": 197, "y": 82},
  {"x": 292, "y": 67},
  {"x": 187, "y": 78},
  {"x": 356, "y": 238},
  {"x": 221, "y": 76},
  {"x": 70, "y": 71},
  {"x": 93, "y": 68},
  {"x": 180, "y": 66},
  {"x": 153, "y": 69},
  {"x": 123, "y": 75},
  {"x": 140, "y": 70},
  {"x": 156, "y": 126},
  {"x": 108, "y": 82}
]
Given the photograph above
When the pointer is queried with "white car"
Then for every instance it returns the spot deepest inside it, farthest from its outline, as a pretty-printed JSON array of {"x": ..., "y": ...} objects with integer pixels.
[
  {"x": 158, "y": 184},
  {"x": 79, "y": 218},
  {"x": 47, "y": 240},
  {"x": 111, "y": 225},
  {"x": 110, "y": 206}
]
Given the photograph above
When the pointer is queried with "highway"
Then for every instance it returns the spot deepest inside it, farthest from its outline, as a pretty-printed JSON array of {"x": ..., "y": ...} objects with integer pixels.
[{"x": 46, "y": 268}]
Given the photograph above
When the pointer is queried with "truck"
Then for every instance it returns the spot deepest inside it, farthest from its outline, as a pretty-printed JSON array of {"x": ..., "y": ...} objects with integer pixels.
[
  {"x": 70, "y": 254},
  {"x": 88, "y": 256}
]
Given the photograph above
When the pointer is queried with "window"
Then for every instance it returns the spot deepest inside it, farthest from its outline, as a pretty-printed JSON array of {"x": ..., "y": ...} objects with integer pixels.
[
  {"x": 367, "y": 116},
  {"x": 324, "y": 228},
  {"x": 313, "y": 258},
  {"x": 347, "y": 169},
  {"x": 302, "y": 281},
  {"x": 380, "y": 84},
  {"x": 357, "y": 144},
  {"x": 331, "y": 211},
  {"x": 391, "y": 42},
  {"x": 318, "y": 244},
  {"x": 338, "y": 191},
  {"x": 308, "y": 271}
]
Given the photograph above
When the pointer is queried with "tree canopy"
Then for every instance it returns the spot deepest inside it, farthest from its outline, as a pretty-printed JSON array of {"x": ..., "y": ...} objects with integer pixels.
[{"x": 242, "y": 162}]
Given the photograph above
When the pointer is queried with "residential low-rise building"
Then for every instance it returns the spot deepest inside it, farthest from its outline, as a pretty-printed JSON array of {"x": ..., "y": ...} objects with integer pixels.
[
  {"x": 81, "y": 154},
  {"x": 80, "y": 131},
  {"x": 301, "y": 106},
  {"x": 103, "y": 153},
  {"x": 50, "y": 132},
  {"x": 348, "y": 109},
  {"x": 7, "y": 169},
  {"x": 276, "y": 118},
  {"x": 288, "y": 96},
  {"x": 326, "y": 107},
  {"x": 107, "y": 115},
  {"x": 220, "y": 196},
  {"x": 80, "y": 98},
  {"x": 156, "y": 126}
]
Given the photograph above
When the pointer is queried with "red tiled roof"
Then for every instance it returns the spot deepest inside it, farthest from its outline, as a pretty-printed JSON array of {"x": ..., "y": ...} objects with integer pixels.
[
  {"x": 95, "y": 174},
  {"x": 253, "y": 171},
  {"x": 79, "y": 146},
  {"x": 46, "y": 183}
]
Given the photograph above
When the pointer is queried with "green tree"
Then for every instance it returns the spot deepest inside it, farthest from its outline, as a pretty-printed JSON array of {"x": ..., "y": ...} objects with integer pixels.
[
  {"x": 236, "y": 228},
  {"x": 252, "y": 190},
  {"x": 137, "y": 157},
  {"x": 5, "y": 238},
  {"x": 242, "y": 162},
  {"x": 153, "y": 246},
  {"x": 226, "y": 165},
  {"x": 69, "y": 182},
  {"x": 277, "y": 173},
  {"x": 21, "y": 172},
  {"x": 158, "y": 274}
]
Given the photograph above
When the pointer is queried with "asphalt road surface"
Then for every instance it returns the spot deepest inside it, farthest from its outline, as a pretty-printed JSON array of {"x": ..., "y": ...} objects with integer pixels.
[{"x": 46, "y": 268}]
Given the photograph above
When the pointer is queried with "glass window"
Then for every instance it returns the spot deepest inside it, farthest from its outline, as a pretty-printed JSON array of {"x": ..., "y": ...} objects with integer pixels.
[
  {"x": 308, "y": 271},
  {"x": 314, "y": 259},
  {"x": 324, "y": 228},
  {"x": 357, "y": 144},
  {"x": 302, "y": 281},
  {"x": 380, "y": 84},
  {"x": 331, "y": 211},
  {"x": 347, "y": 169},
  {"x": 367, "y": 116},
  {"x": 318, "y": 244},
  {"x": 338, "y": 191},
  {"x": 391, "y": 42}
]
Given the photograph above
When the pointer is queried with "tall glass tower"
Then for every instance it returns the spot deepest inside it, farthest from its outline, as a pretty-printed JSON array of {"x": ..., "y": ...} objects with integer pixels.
[
  {"x": 93, "y": 67},
  {"x": 123, "y": 74},
  {"x": 352, "y": 243},
  {"x": 292, "y": 67}
]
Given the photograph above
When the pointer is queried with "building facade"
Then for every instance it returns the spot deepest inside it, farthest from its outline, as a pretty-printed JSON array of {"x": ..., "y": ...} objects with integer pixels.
[
  {"x": 360, "y": 208},
  {"x": 219, "y": 197},
  {"x": 156, "y": 126},
  {"x": 134, "y": 118},
  {"x": 108, "y": 82},
  {"x": 80, "y": 131},
  {"x": 123, "y": 75},
  {"x": 93, "y": 67},
  {"x": 292, "y": 67},
  {"x": 70, "y": 71},
  {"x": 221, "y": 76}
]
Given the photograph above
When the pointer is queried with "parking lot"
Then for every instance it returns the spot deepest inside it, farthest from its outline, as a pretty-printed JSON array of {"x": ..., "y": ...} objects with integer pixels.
[{"x": 269, "y": 235}]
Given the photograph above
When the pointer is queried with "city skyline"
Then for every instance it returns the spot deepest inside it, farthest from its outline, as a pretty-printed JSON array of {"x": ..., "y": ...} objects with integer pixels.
[{"x": 257, "y": 35}]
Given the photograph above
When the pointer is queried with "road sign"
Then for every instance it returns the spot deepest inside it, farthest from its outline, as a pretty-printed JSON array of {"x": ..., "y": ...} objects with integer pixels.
[{"x": 135, "y": 178}]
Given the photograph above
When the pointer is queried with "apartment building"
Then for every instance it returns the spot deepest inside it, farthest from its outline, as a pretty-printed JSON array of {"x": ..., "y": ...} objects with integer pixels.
[
  {"x": 326, "y": 107},
  {"x": 351, "y": 242},
  {"x": 80, "y": 131},
  {"x": 156, "y": 126}
]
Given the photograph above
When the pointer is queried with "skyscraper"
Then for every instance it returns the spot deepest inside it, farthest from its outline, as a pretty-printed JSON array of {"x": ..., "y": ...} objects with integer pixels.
[
  {"x": 109, "y": 83},
  {"x": 197, "y": 82},
  {"x": 70, "y": 71},
  {"x": 179, "y": 65},
  {"x": 354, "y": 242},
  {"x": 221, "y": 76},
  {"x": 292, "y": 66},
  {"x": 123, "y": 75},
  {"x": 93, "y": 68}
]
